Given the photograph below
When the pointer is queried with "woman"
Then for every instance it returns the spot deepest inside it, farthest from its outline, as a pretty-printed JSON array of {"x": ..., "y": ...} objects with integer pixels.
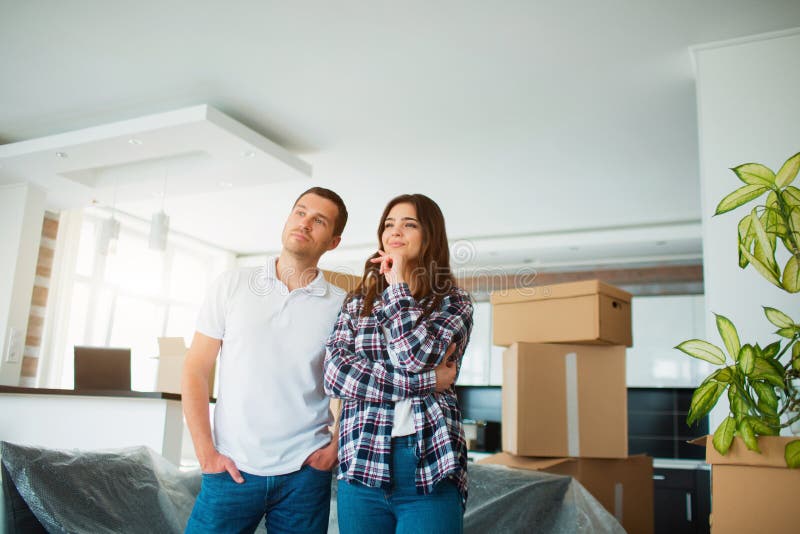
[{"x": 393, "y": 357}]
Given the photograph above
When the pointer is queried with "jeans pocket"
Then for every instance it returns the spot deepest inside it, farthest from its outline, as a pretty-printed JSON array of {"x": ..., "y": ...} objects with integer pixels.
[
  {"x": 318, "y": 471},
  {"x": 209, "y": 475}
]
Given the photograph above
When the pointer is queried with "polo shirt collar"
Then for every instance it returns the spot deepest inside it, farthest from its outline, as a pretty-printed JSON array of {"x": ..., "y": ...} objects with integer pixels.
[{"x": 318, "y": 286}]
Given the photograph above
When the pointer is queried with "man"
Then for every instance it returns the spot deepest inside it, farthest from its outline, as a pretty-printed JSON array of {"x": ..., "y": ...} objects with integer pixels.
[{"x": 271, "y": 453}]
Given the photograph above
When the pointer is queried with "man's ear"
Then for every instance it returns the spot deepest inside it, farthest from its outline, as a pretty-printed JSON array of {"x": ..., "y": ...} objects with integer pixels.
[{"x": 335, "y": 242}]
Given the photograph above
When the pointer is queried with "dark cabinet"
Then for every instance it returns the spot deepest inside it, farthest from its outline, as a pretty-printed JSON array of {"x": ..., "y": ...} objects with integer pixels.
[
  {"x": 683, "y": 500},
  {"x": 657, "y": 424}
]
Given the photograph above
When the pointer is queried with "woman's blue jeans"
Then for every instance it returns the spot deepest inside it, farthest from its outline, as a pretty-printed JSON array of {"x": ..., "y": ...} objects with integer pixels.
[{"x": 366, "y": 510}]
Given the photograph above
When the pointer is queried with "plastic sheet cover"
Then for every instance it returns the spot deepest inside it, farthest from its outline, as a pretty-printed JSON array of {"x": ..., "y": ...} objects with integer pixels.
[
  {"x": 124, "y": 490},
  {"x": 136, "y": 490},
  {"x": 503, "y": 499}
]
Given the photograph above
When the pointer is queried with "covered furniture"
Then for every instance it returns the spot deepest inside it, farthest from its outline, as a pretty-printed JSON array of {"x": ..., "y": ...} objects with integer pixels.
[{"x": 136, "y": 490}]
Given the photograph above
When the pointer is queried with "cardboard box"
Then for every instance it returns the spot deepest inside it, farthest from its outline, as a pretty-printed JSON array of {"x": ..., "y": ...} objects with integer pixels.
[
  {"x": 565, "y": 400},
  {"x": 752, "y": 492},
  {"x": 624, "y": 487},
  {"x": 171, "y": 354},
  {"x": 345, "y": 281},
  {"x": 576, "y": 312}
]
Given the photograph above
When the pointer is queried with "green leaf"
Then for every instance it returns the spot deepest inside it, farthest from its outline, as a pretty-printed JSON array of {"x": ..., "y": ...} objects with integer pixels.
[
  {"x": 794, "y": 226},
  {"x": 762, "y": 269},
  {"x": 765, "y": 257},
  {"x": 788, "y": 333},
  {"x": 777, "y": 366},
  {"x": 703, "y": 350},
  {"x": 746, "y": 230},
  {"x": 746, "y": 359},
  {"x": 748, "y": 435},
  {"x": 771, "y": 350},
  {"x": 755, "y": 174},
  {"x": 791, "y": 275},
  {"x": 761, "y": 428},
  {"x": 763, "y": 370},
  {"x": 778, "y": 318},
  {"x": 792, "y": 454},
  {"x": 741, "y": 196},
  {"x": 729, "y": 335},
  {"x": 771, "y": 204},
  {"x": 704, "y": 398},
  {"x": 767, "y": 398},
  {"x": 723, "y": 436},
  {"x": 746, "y": 237},
  {"x": 737, "y": 403},
  {"x": 791, "y": 196},
  {"x": 788, "y": 171},
  {"x": 763, "y": 241},
  {"x": 720, "y": 375},
  {"x": 773, "y": 421},
  {"x": 771, "y": 219}
]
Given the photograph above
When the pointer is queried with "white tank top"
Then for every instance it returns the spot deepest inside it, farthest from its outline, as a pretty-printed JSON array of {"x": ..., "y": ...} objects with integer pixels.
[{"x": 403, "y": 424}]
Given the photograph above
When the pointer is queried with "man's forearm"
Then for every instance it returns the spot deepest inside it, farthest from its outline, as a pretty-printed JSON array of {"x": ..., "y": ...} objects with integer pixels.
[{"x": 195, "y": 397}]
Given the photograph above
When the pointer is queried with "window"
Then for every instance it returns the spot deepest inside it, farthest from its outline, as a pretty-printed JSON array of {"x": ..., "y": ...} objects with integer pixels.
[
  {"x": 483, "y": 362},
  {"x": 135, "y": 295}
]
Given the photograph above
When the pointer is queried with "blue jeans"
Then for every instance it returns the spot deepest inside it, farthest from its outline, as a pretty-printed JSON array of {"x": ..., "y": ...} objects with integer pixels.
[
  {"x": 295, "y": 502},
  {"x": 366, "y": 510}
]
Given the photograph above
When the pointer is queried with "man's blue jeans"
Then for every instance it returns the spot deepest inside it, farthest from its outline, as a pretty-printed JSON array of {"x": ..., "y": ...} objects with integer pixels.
[
  {"x": 295, "y": 502},
  {"x": 366, "y": 510}
]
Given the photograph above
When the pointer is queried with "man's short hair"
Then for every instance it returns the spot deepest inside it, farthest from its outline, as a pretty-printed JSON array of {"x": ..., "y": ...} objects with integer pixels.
[{"x": 341, "y": 218}]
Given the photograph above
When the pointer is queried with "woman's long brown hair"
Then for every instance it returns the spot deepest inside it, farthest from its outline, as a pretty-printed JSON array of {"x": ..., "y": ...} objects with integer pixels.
[{"x": 432, "y": 276}]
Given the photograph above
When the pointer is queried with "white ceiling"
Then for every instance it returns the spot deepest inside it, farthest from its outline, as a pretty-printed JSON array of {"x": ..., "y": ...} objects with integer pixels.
[
  {"x": 552, "y": 133},
  {"x": 165, "y": 155}
]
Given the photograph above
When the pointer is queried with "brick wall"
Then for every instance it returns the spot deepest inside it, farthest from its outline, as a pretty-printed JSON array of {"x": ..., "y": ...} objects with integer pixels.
[{"x": 41, "y": 288}]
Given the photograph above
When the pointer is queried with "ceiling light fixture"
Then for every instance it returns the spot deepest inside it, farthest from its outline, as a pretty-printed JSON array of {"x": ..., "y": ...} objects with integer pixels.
[
  {"x": 108, "y": 236},
  {"x": 135, "y": 141},
  {"x": 249, "y": 154},
  {"x": 159, "y": 224},
  {"x": 62, "y": 155}
]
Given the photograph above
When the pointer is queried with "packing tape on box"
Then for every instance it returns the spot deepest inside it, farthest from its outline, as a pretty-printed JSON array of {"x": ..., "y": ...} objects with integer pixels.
[
  {"x": 573, "y": 423},
  {"x": 618, "y": 501}
]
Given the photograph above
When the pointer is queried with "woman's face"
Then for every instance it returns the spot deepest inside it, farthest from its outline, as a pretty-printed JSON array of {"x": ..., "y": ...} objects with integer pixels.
[{"x": 402, "y": 233}]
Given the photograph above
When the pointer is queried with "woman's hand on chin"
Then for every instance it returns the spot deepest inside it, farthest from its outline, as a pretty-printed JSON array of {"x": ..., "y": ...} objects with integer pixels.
[{"x": 391, "y": 267}]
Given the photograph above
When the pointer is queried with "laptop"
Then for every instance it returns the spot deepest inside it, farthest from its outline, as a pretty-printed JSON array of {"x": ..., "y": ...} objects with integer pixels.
[{"x": 102, "y": 368}]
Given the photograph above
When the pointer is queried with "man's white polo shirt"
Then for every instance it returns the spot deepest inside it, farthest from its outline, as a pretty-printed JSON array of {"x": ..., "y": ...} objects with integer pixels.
[{"x": 271, "y": 410}]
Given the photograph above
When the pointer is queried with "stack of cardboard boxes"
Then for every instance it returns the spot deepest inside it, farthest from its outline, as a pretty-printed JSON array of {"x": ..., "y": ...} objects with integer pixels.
[{"x": 564, "y": 392}]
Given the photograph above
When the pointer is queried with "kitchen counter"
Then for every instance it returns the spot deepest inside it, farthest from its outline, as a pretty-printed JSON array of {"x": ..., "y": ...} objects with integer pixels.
[
  {"x": 91, "y": 420},
  {"x": 674, "y": 463},
  {"x": 90, "y": 393}
]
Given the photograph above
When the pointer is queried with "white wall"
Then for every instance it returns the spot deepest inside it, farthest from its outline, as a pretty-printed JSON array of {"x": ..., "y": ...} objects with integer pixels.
[
  {"x": 660, "y": 323},
  {"x": 21, "y": 215},
  {"x": 748, "y": 111}
]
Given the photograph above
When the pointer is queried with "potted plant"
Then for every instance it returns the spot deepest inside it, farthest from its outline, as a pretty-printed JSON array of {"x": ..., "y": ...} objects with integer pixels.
[{"x": 762, "y": 383}]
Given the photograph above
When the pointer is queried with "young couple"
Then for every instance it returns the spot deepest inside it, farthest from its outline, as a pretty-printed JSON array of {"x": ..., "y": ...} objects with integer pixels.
[{"x": 390, "y": 350}]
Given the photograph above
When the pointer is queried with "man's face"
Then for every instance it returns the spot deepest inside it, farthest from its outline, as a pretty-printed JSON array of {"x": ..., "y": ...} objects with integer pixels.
[{"x": 308, "y": 232}]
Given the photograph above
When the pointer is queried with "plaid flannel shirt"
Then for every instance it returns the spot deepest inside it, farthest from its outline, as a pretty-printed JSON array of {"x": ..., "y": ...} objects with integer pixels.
[{"x": 358, "y": 370}]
